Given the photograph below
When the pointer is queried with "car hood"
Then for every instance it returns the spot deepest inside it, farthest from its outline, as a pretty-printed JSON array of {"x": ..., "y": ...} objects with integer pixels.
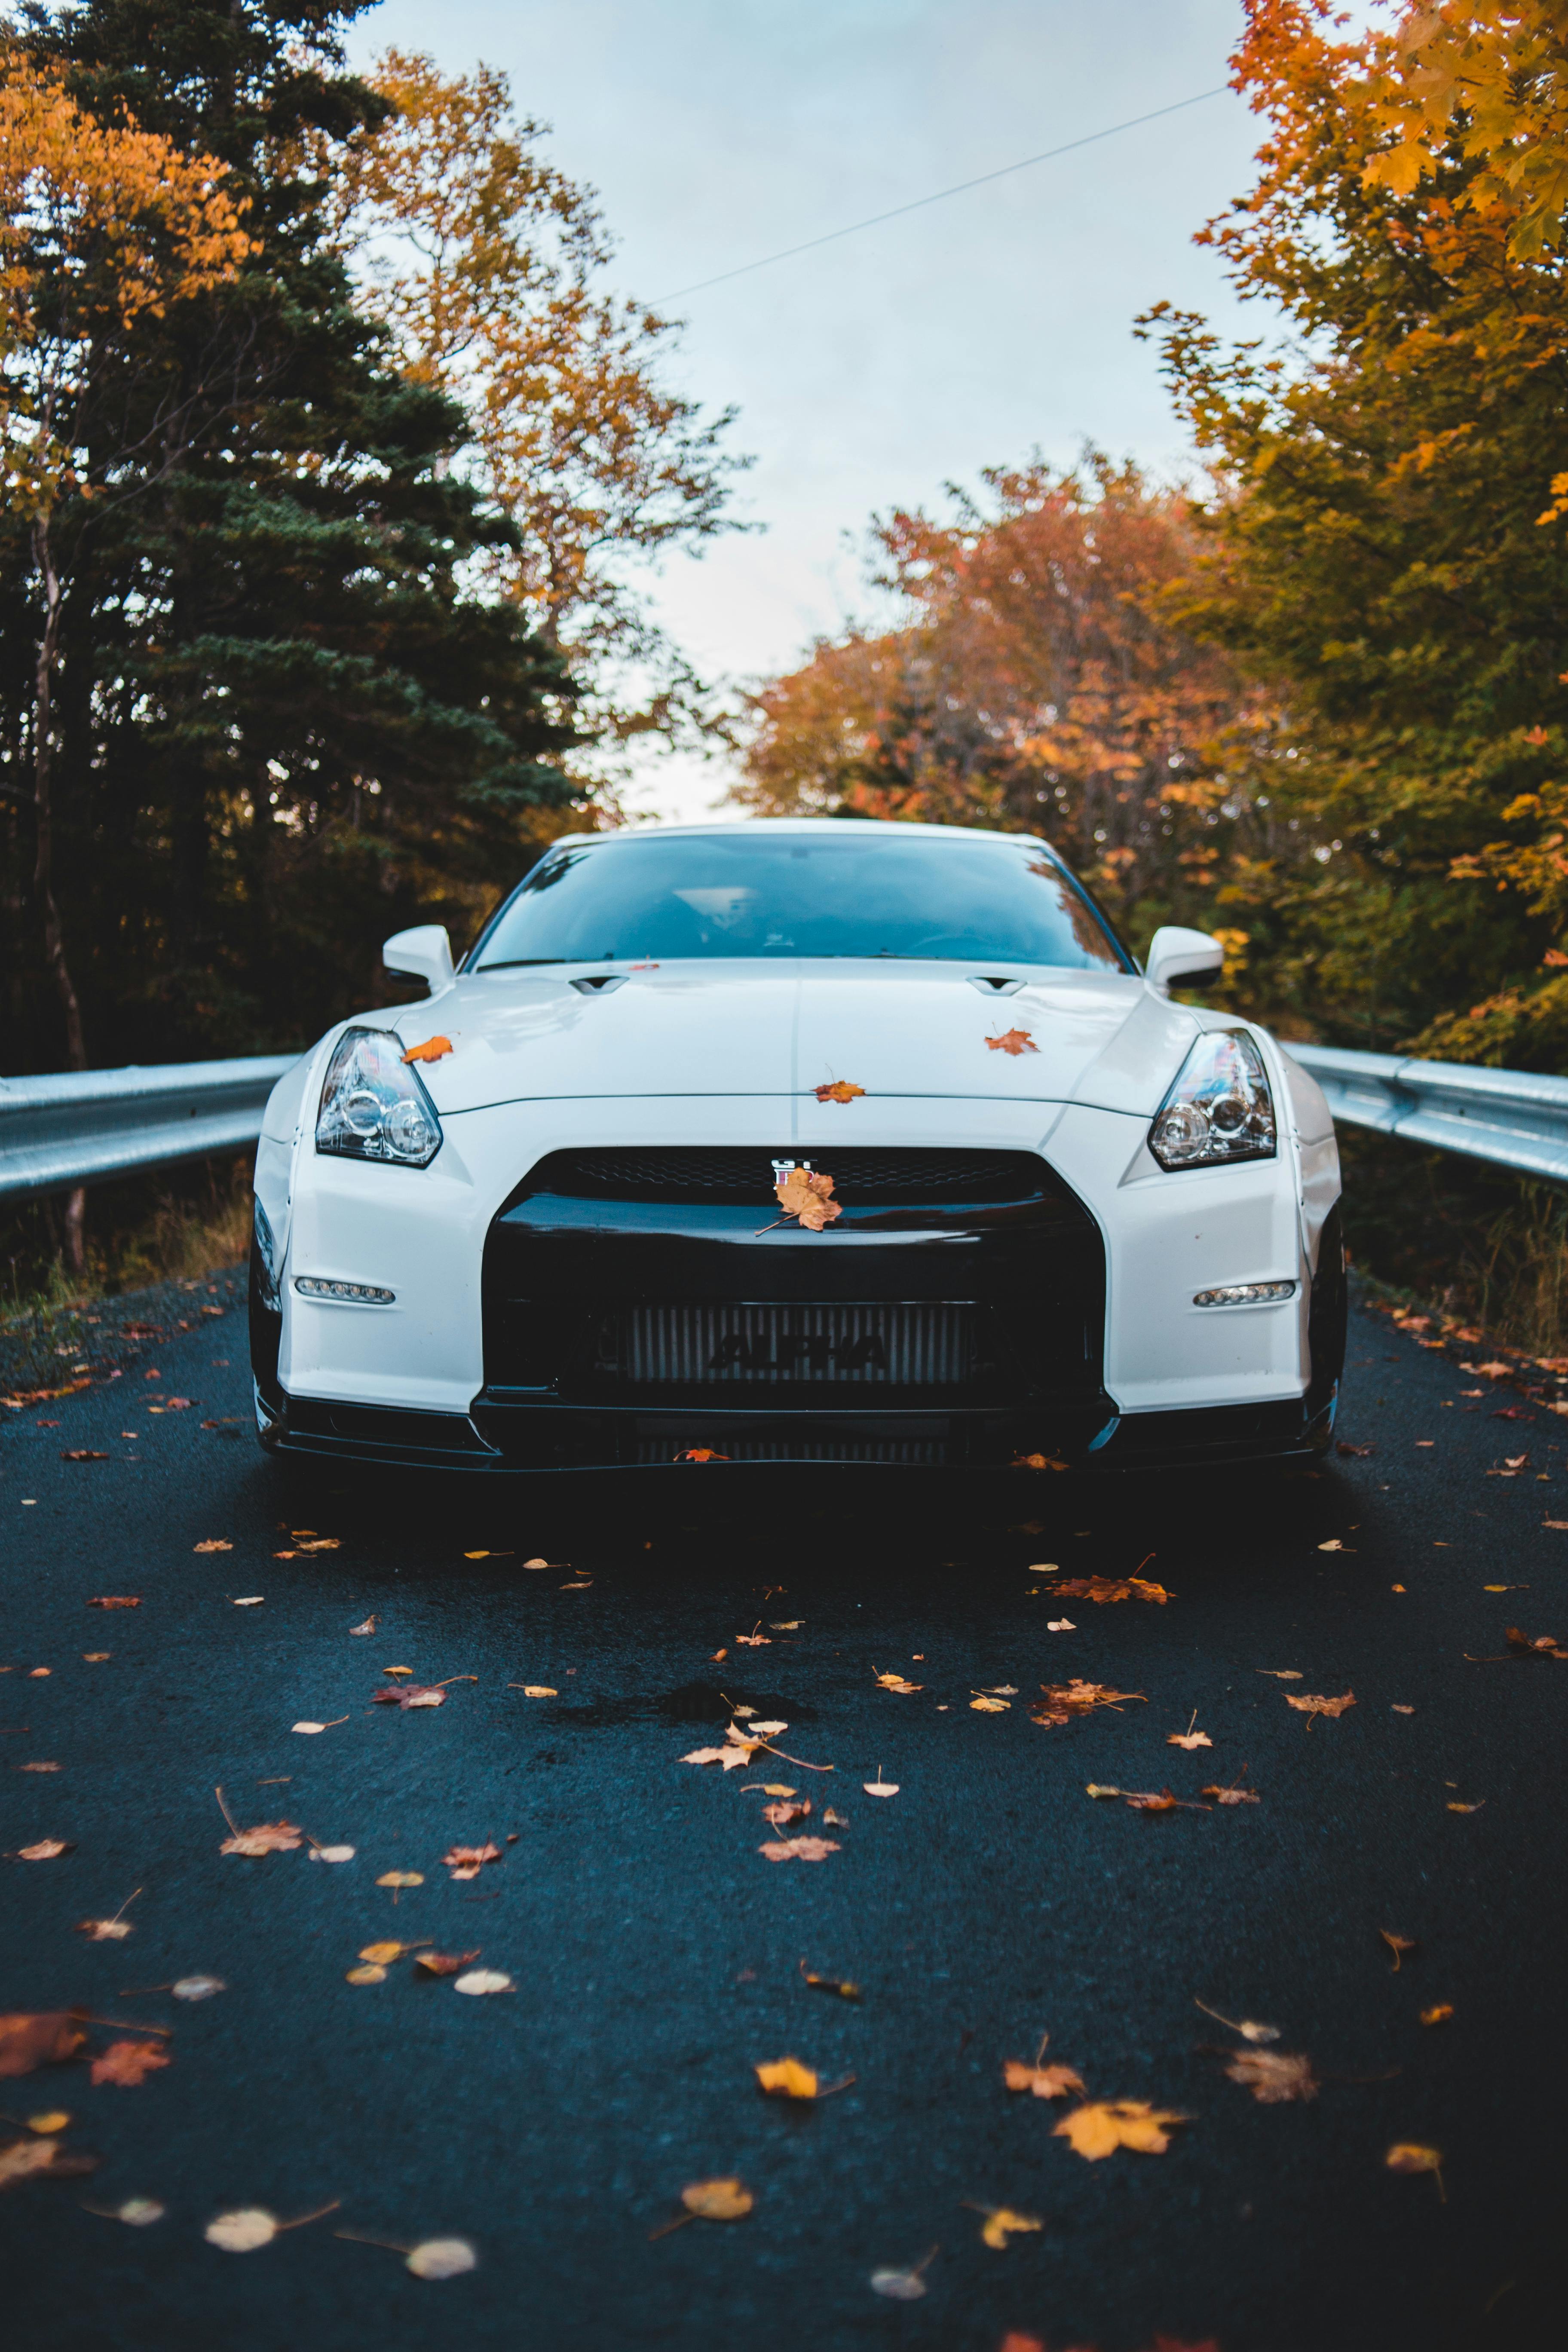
[{"x": 740, "y": 1028}]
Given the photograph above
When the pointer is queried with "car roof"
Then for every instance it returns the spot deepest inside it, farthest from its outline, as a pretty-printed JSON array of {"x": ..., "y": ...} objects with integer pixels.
[{"x": 834, "y": 824}]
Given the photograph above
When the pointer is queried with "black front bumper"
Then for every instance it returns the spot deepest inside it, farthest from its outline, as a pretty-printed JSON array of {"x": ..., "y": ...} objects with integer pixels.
[{"x": 568, "y": 1274}]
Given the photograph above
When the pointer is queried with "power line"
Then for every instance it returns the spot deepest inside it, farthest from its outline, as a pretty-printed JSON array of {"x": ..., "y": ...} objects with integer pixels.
[{"x": 937, "y": 197}]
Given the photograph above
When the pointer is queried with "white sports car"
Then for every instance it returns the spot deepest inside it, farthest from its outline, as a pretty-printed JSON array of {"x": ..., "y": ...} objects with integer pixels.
[{"x": 797, "y": 1142}]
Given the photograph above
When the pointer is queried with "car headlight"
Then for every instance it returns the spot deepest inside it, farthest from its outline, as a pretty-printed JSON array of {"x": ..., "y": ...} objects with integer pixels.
[
  {"x": 1219, "y": 1109},
  {"x": 374, "y": 1104}
]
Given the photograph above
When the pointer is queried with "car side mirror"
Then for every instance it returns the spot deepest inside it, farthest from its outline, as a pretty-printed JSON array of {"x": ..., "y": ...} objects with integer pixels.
[
  {"x": 1179, "y": 955},
  {"x": 426, "y": 954}
]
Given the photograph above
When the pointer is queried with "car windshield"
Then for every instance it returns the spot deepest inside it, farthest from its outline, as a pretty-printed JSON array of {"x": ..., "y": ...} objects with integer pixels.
[{"x": 950, "y": 896}]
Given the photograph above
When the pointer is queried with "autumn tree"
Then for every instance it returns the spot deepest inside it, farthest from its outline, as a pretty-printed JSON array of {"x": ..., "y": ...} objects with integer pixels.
[
  {"x": 1030, "y": 685},
  {"x": 1383, "y": 548},
  {"x": 289, "y": 715},
  {"x": 102, "y": 227},
  {"x": 487, "y": 263}
]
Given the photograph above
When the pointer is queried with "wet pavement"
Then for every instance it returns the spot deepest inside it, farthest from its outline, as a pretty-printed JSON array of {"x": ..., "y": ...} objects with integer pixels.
[{"x": 655, "y": 1955}]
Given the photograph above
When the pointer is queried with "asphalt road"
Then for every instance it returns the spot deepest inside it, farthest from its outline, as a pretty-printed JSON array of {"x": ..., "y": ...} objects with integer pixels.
[{"x": 655, "y": 1954}]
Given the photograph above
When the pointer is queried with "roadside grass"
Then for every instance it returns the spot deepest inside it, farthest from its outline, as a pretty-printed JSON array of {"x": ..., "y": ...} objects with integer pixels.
[{"x": 176, "y": 1224}]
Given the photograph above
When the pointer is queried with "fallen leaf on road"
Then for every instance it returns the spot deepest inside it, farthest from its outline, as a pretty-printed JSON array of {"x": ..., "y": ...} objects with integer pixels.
[
  {"x": 1274, "y": 2076},
  {"x": 1317, "y": 1705},
  {"x": 1039, "y": 1462},
  {"x": 30, "y": 2039},
  {"x": 130, "y": 2063},
  {"x": 197, "y": 1988},
  {"x": 1013, "y": 1041},
  {"x": 137, "y": 2212},
  {"x": 482, "y": 1981},
  {"x": 1407, "y": 2156},
  {"x": 1061, "y": 1702},
  {"x": 95, "y": 1657},
  {"x": 784, "y": 1811},
  {"x": 1334, "y": 1544},
  {"x": 1234, "y": 1795},
  {"x": 1001, "y": 2224},
  {"x": 1353, "y": 1453},
  {"x": 1281, "y": 1673},
  {"x": 214, "y": 1543},
  {"x": 1189, "y": 1738},
  {"x": 842, "y": 1986},
  {"x": 116, "y": 1601},
  {"x": 371, "y": 1973},
  {"x": 332, "y": 1853},
  {"x": 446, "y": 1964},
  {"x": 331, "y": 1725},
  {"x": 1104, "y": 1589},
  {"x": 397, "y": 1878},
  {"x": 842, "y": 1090},
  {"x": 717, "y": 2200},
  {"x": 241, "y": 2232},
  {"x": 1396, "y": 1710},
  {"x": 1153, "y": 1800},
  {"x": 1438, "y": 2014},
  {"x": 267, "y": 1837},
  {"x": 1100, "y": 2129},
  {"x": 1041, "y": 2082},
  {"x": 37, "y": 1767},
  {"x": 983, "y": 1705},
  {"x": 903, "y": 2286},
  {"x": 409, "y": 1694},
  {"x": 1398, "y": 1946},
  {"x": 535, "y": 1690},
  {"x": 467, "y": 1861},
  {"x": 1102, "y": 1789},
  {"x": 27, "y": 2159},
  {"x": 1249, "y": 2029},
  {"x": 1544, "y": 1645},
  {"x": 108, "y": 1931},
  {"x": 83, "y": 1453},
  {"x": 369, "y": 1626},
  {"x": 381, "y": 1954},
  {"x": 1466, "y": 1809},
  {"x": 898, "y": 1683},
  {"x": 786, "y": 2078},
  {"x": 46, "y": 1850},
  {"x": 439, "y": 2258},
  {"x": 834, "y": 1821},
  {"x": 800, "y": 1849},
  {"x": 880, "y": 1787}
]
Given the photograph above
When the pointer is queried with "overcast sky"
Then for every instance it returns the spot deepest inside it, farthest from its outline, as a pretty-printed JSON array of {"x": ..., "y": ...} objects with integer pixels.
[{"x": 880, "y": 367}]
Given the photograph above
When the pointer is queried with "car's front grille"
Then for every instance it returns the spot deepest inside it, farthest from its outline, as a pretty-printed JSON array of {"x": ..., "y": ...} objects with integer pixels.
[
  {"x": 862, "y": 1179},
  {"x": 773, "y": 1346}
]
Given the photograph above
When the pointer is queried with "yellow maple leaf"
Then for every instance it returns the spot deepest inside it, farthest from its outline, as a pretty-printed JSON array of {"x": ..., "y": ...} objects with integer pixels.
[
  {"x": 1103, "y": 2125},
  {"x": 786, "y": 2078}
]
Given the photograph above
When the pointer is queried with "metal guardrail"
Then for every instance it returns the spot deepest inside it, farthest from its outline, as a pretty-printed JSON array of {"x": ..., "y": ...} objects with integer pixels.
[
  {"x": 1508, "y": 1118},
  {"x": 82, "y": 1127}
]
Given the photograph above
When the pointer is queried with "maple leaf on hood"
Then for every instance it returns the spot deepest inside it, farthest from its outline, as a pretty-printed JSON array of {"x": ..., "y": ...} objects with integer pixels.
[
  {"x": 807, "y": 1194},
  {"x": 1013, "y": 1041},
  {"x": 842, "y": 1090}
]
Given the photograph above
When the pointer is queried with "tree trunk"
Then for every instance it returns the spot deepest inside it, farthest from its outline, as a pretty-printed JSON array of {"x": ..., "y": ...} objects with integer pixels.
[{"x": 43, "y": 868}]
